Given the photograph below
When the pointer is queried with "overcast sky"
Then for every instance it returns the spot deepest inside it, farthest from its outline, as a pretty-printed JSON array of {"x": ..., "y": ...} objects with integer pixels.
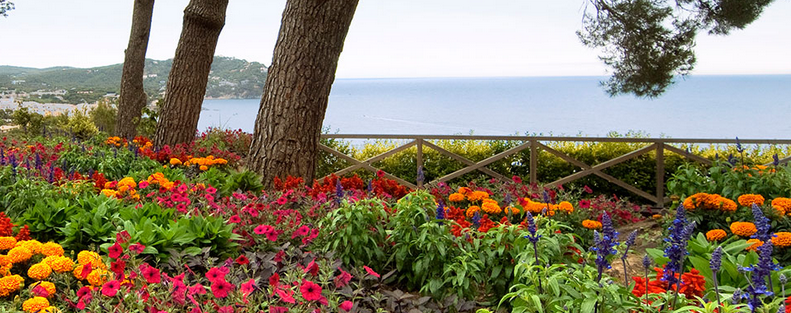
[{"x": 388, "y": 38}]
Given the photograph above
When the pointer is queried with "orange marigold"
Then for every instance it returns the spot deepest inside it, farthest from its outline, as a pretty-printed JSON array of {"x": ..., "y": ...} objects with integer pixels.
[
  {"x": 728, "y": 205},
  {"x": 7, "y": 243},
  {"x": 755, "y": 244},
  {"x": 59, "y": 264},
  {"x": 716, "y": 235},
  {"x": 781, "y": 239},
  {"x": 98, "y": 277},
  {"x": 744, "y": 229},
  {"x": 511, "y": 209},
  {"x": 566, "y": 206},
  {"x": 85, "y": 257},
  {"x": 49, "y": 286},
  {"x": 490, "y": 206},
  {"x": 456, "y": 197},
  {"x": 35, "y": 304},
  {"x": 10, "y": 284},
  {"x": 750, "y": 199},
  {"x": 175, "y": 161},
  {"x": 471, "y": 210},
  {"x": 590, "y": 224},
  {"x": 51, "y": 249},
  {"x": 33, "y": 245},
  {"x": 478, "y": 195},
  {"x": 656, "y": 216},
  {"x": 19, "y": 255},
  {"x": 39, "y": 271},
  {"x": 4, "y": 260},
  {"x": 782, "y": 205}
]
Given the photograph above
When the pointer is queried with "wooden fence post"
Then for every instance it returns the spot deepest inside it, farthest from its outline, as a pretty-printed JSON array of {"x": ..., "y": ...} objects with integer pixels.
[
  {"x": 660, "y": 174},
  {"x": 419, "y": 160},
  {"x": 533, "y": 161}
]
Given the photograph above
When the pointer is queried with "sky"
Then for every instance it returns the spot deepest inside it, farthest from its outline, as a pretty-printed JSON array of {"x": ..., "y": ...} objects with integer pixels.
[{"x": 387, "y": 38}]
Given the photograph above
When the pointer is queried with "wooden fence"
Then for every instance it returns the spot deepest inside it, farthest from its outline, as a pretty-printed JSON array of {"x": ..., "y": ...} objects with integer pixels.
[{"x": 534, "y": 143}]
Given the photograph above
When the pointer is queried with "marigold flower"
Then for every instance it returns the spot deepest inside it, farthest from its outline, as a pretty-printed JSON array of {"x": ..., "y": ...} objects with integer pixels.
[
  {"x": 471, "y": 211},
  {"x": 656, "y": 216},
  {"x": 110, "y": 193},
  {"x": 19, "y": 255},
  {"x": 59, "y": 264},
  {"x": 728, "y": 205},
  {"x": 48, "y": 286},
  {"x": 755, "y": 244},
  {"x": 39, "y": 271},
  {"x": 204, "y": 168},
  {"x": 478, "y": 195},
  {"x": 782, "y": 239},
  {"x": 49, "y": 309},
  {"x": 566, "y": 206},
  {"x": 175, "y": 161},
  {"x": 4, "y": 260},
  {"x": 51, "y": 249},
  {"x": 7, "y": 243},
  {"x": 511, "y": 209},
  {"x": 98, "y": 277},
  {"x": 85, "y": 257},
  {"x": 750, "y": 199},
  {"x": 744, "y": 229},
  {"x": 491, "y": 206},
  {"x": 716, "y": 235},
  {"x": 590, "y": 224},
  {"x": 35, "y": 304},
  {"x": 782, "y": 205},
  {"x": 10, "y": 284},
  {"x": 33, "y": 245},
  {"x": 456, "y": 197}
]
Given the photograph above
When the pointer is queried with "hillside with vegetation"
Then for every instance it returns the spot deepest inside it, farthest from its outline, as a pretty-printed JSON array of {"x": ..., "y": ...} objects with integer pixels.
[{"x": 229, "y": 78}]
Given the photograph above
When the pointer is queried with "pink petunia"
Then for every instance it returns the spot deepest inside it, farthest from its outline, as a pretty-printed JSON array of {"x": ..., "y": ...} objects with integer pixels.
[
  {"x": 221, "y": 288},
  {"x": 371, "y": 272},
  {"x": 248, "y": 287},
  {"x": 346, "y": 306},
  {"x": 263, "y": 229},
  {"x": 115, "y": 251},
  {"x": 137, "y": 248},
  {"x": 110, "y": 288},
  {"x": 235, "y": 219}
]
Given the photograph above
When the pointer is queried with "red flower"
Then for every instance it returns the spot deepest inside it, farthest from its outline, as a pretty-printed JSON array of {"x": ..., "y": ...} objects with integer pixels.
[
  {"x": 248, "y": 287},
  {"x": 242, "y": 260},
  {"x": 310, "y": 291},
  {"x": 40, "y": 291},
  {"x": 84, "y": 291},
  {"x": 217, "y": 273},
  {"x": 115, "y": 251},
  {"x": 312, "y": 268},
  {"x": 86, "y": 269},
  {"x": 151, "y": 274},
  {"x": 342, "y": 279},
  {"x": 137, "y": 248},
  {"x": 110, "y": 288},
  {"x": 301, "y": 231},
  {"x": 285, "y": 296},
  {"x": 347, "y": 305},
  {"x": 274, "y": 280},
  {"x": 220, "y": 288},
  {"x": 263, "y": 229},
  {"x": 122, "y": 237},
  {"x": 235, "y": 219},
  {"x": 118, "y": 267},
  {"x": 278, "y": 309},
  {"x": 279, "y": 256},
  {"x": 371, "y": 272}
]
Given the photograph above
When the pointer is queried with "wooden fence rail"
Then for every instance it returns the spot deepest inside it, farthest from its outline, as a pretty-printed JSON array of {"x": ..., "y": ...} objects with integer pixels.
[{"x": 534, "y": 143}]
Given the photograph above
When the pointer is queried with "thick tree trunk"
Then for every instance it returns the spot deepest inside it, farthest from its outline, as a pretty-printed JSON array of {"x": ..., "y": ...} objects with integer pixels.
[
  {"x": 288, "y": 126},
  {"x": 133, "y": 98},
  {"x": 178, "y": 118}
]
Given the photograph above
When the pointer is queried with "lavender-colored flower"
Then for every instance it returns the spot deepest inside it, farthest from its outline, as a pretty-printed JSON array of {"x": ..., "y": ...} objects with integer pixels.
[
  {"x": 420, "y": 176},
  {"x": 531, "y": 227},
  {"x": 676, "y": 250},
  {"x": 2, "y": 156},
  {"x": 507, "y": 199},
  {"x": 760, "y": 272},
  {"x": 761, "y": 224},
  {"x": 716, "y": 259},
  {"x": 440, "y": 211},
  {"x": 716, "y": 156},
  {"x": 646, "y": 262},
  {"x": 546, "y": 197},
  {"x": 731, "y": 159},
  {"x": 38, "y": 160},
  {"x": 775, "y": 160},
  {"x": 629, "y": 243},
  {"x": 739, "y": 145},
  {"x": 737, "y": 296},
  {"x": 476, "y": 219},
  {"x": 370, "y": 186},
  {"x": 604, "y": 244}
]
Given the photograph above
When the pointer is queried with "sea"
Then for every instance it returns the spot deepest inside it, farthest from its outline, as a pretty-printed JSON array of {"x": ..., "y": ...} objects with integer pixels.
[{"x": 694, "y": 107}]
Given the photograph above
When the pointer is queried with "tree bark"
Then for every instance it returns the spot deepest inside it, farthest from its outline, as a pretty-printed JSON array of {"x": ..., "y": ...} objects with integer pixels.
[
  {"x": 288, "y": 126},
  {"x": 186, "y": 86},
  {"x": 133, "y": 98}
]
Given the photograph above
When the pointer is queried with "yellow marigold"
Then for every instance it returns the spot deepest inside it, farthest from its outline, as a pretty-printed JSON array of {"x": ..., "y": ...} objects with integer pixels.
[
  {"x": 755, "y": 244},
  {"x": 471, "y": 210},
  {"x": 59, "y": 264},
  {"x": 19, "y": 254},
  {"x": 85, "y": 257},
  {"x": 98, "y": 277},
  {"x": 49, "y": 309},
  {"x": 51, "y": 249},
  {"x": 456, "y": 197},
  {"x": 566, "y": 206},
  {"x": 127, "y": 181},
  {"x": 7, "y": 243},
  {"x": 782, "y": 239},
  {"x": 5, "y": 270},
  {"x": 204, "y": 168},
  {"x": 35, "y": 304},
  {"x": 10, "y": 284},
  {"x": 39, "y": 271},
  {"x": 4, "y": 260},
  {"x": 782, "y": 205},
  {"x": 744, "y": 229},
  {"x": 109, "y": 193},
  {"x": 491, "y": 207},
  {"x": 175, "y": 161},
  {"x": 590, "y": 224},
  {"x": 716, "y": 235},
  {"x": 478, "y": 195},
  {"x": 750, "y": 199},
  {"x": 49, "y": 286},
  {"x": 33, "y": 245}
]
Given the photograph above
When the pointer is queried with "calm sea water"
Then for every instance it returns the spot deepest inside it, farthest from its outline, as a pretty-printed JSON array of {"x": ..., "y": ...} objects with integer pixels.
[{"x": 698, "y": 107}]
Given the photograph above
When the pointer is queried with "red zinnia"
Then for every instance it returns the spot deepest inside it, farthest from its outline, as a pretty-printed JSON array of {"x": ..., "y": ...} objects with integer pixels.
[
  {"x": 310, "y": 290},
  {"x": 220, "y": 288},
  {"x": 115, "y": 251}
]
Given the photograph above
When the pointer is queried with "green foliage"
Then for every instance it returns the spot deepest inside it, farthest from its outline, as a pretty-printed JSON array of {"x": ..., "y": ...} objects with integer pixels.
[
  {"x": 648, "y": 42},
  {"x": 104, "y": 116},
  {"x": 18, "y": 193},
  {"x": 356, "y": 232},
  {"x": 91, "y": 223},
  {"x": 243, "y": 181},
  {"x": 114, "y": 163},
  {"x": 731, "y": 181},
  {"x": 80, "y": 125}
]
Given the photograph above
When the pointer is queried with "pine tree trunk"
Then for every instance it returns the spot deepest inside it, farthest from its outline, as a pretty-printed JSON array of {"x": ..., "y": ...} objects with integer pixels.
[
  {"x": 133, "y": 98},
  {"x": 288, "y": 126},
  {"x": 178, "y": 118}
]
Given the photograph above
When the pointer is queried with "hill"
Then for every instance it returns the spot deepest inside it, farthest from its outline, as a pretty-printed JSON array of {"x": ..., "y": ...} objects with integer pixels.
[{"x": 229, "y": 78}]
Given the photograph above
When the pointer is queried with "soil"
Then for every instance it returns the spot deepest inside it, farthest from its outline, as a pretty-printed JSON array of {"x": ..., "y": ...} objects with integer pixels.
[{"x": 649, "y": 236}]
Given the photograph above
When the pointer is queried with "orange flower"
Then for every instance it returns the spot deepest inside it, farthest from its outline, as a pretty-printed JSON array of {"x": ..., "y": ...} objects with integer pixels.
[
  {"x": 716, "y": 235},
  {"x": 471, "y": 210},
  {"x": 782, "y": 205},
  {"x": 456, "y": 197},
  {"x": 657, "y": 216},
  {"x": 590, "y": 224},
  {"x": 750, "y": 199},
  {"x": 755, "y": 244},
  {"x": 490, "y": 206},
  {"x": 478, "y": 195},
  {"x": 566, "y": 206},
  {"x": 781, "y": 239},
  {"x": 744, "y": 229}
]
